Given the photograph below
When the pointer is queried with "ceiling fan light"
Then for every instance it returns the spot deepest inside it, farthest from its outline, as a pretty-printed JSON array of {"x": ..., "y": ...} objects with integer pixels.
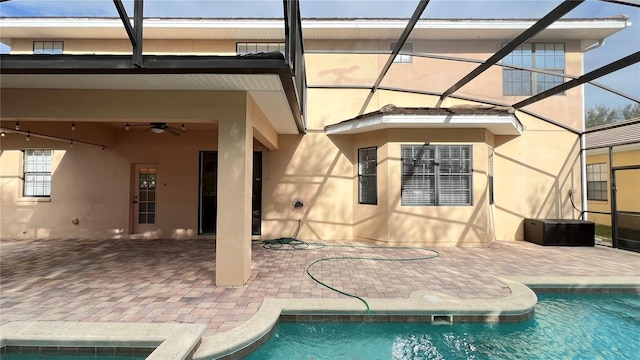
[{"x": 157, "y": 130}]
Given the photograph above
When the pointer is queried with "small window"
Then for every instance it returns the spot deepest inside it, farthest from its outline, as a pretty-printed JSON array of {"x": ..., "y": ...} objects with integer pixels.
[
  {"x": 436, "y": 175},
  {"x": 402, "y": 58},
  {"x": 367, "y": 176},
  {"x": 597, "y": 182},
  {"x": 543, "y": 56},
  {"x": 37, "y": 173},
  {"x": 255, "y": 48},
  {"x": 48, "y": 47}
]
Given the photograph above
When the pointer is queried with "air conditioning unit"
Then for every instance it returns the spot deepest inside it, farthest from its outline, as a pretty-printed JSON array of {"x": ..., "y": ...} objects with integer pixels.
[{"x": 559, "y": 232}]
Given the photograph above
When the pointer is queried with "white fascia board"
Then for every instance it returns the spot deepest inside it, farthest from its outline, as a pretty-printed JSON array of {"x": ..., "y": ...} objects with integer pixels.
[
  {"x": 382, "y": 121},
  {"x": 505, "y": 24}
]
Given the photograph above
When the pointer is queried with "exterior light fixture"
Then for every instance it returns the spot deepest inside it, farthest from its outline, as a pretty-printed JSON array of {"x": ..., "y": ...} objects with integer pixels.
[
  {"x": 71, "y": 143},
  {"x": 73, "y": 126},
  {"x": 183, "y": 128},
  {"x": 28, "y": 135},
  {"x": 17, "y": 125},
  {"x": 126, "y": 127},
  {"x": 3, "y": 134}
]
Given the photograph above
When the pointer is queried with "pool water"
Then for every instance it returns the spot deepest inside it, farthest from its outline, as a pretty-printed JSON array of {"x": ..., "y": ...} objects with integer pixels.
[{"x": 581, "y": 326}]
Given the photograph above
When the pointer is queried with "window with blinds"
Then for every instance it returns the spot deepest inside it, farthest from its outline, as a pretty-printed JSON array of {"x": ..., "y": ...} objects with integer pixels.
[
  {"x": 436, "y": 175},
  {"x": 368, "y": 176}
]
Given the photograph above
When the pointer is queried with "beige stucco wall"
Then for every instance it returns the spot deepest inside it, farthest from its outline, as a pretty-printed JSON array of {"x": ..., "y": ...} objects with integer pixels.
[
  {"x": 435, "y": 75},
  {"x": 628, "y": 185},
  {"x": 93, "y": 185},
  {"x": 533, "y": 175},
  {"x": 533, "y": 172},
  {"x": 421, "y": 74},
  {"x": 99, "y": 201},
  {"x": 318, "y": 170}
]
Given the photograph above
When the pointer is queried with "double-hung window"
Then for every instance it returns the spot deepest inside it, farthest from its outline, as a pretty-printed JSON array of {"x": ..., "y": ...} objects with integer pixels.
[
  {"x": 367, "y": 176},
  {"x": 37, "y": 173},
  {"x": 436, "y": 175},
  {"x": 597, "y": 182},
  {"x": 259, "y": 47},
  {"x": 48, "y": 47},
  {"x": 544, "y": 56}
]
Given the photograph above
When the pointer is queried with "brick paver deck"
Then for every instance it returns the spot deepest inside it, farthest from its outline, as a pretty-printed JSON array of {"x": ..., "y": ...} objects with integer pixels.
[{"x": 102, "y": 280}]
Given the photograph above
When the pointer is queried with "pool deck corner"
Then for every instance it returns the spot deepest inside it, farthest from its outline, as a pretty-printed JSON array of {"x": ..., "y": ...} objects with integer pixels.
[{"x": 171, "y": 341}]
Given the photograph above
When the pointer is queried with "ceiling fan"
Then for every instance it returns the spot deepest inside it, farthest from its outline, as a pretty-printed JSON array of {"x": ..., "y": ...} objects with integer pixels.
[{"x": 159, "y": 128}]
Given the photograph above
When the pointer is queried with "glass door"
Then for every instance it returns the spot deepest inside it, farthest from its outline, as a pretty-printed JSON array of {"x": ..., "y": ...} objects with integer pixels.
[
  {"x": 144, "y": 201},
  {"x": 208, "y": 207},
  {"x": 208, "y": 192}
]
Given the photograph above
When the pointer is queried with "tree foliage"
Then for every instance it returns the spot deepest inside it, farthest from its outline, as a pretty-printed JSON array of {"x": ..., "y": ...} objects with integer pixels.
[{"x": 603, "y": 114}]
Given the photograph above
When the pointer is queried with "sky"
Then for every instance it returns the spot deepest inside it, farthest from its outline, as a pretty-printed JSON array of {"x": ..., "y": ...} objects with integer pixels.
[{"x": 617, "y": 46}]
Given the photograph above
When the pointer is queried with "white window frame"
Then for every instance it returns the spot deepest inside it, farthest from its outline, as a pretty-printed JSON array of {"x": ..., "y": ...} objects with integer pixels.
[
  {"x": 247, "y": 48},
  {"x": 48, "y": 47},
  {"x": 597, "y": 189},
  {"x": 36, "y": 173},
  {"x": 551, "y": 62},
  {"x": 368, "y": 175},
  {"x": 429, "y": 176}
]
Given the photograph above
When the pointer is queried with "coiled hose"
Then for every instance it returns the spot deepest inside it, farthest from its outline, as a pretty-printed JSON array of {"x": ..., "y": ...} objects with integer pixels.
[{"x": 293, "y": 244}]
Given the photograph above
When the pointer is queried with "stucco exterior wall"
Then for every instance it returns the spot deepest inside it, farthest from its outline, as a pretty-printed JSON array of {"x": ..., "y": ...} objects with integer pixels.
[
  {"x": 318, "y": 170},
  {"x": 99, "y": 201},
  {"x": 422, "y": 74},
  {"x": 533, "y": 175},
  {"x": 533, "y": 172},
  {"x": 434, "y": 75},
  {"x": 94, "y": 185}
]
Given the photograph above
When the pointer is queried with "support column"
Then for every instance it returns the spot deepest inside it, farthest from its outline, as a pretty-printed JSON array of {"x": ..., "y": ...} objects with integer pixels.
[{"x": 233, "y": 234}]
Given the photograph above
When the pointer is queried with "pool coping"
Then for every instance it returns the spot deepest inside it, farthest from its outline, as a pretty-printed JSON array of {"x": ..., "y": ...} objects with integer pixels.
[
  {"x": 420, "y": 306},
  {"x": 519, "y": 304},
  {"x": 171, "y": 341},
  {"x": 185, "y": 341}
]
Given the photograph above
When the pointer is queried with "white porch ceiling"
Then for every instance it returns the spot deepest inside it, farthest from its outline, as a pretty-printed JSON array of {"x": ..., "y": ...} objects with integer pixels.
[{"x": 266, "y": 90}]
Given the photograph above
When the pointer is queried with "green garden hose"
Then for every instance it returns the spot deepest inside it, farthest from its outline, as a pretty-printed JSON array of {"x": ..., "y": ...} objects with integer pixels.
[{"x": 292, "y": 244}]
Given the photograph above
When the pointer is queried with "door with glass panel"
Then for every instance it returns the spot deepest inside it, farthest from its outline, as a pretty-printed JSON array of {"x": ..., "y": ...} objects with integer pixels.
[
  {"x": 144, "y": 200},
  {"x": 208, "y": 209}
]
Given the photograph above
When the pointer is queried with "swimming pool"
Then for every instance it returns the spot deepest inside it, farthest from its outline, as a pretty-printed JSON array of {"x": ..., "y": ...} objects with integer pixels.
[{"x": 580, "y": 326}]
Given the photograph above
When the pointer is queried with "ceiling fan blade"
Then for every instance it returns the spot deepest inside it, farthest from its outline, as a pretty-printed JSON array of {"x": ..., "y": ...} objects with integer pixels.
[{"x": 172, "y": 131}]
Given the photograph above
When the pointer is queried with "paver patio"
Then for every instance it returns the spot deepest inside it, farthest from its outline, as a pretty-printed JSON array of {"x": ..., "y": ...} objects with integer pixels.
[{"x": 104, "y": 280}]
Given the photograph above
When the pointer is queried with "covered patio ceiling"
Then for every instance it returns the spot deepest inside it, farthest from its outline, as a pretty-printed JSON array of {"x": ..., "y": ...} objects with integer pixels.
[{"x": 266, "y": 89}]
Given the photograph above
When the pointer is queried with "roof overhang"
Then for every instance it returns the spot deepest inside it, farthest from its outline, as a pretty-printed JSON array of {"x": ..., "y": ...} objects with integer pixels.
[
  {"x": 504, "y": 123},
  {"x": 266, "y": 78},
  {"x": 588, "y": 30}
]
